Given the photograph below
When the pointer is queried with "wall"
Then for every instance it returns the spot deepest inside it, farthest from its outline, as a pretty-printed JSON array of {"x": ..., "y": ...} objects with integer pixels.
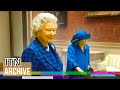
[
  {"x": 102, "y": 29},
  {"x": 4, "y": 35},
  {"x": 17, "y": 33},
  {"x": 34, "y": 13}
]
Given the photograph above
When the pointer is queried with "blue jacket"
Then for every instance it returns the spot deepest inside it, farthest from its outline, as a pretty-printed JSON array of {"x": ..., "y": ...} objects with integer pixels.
[
  {"x": 76, "y": 57},
  {"x": 40, "y": 58}
]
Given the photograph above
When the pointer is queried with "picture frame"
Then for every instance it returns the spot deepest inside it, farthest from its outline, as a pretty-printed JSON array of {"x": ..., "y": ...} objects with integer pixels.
[
  {"x": 62, "y": 17},
  {"x": 101, "y": 13}
]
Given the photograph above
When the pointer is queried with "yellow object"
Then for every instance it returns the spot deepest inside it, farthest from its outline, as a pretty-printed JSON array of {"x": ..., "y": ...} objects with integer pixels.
[{"x": 110, "y": 63}]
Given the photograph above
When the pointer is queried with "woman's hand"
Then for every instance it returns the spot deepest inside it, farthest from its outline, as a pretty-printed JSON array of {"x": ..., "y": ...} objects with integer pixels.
[
  {"x": 79, "y": 69},
  {"x": 90, "y": 69}
]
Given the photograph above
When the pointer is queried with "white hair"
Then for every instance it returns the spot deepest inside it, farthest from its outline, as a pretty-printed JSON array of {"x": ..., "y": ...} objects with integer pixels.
[{"x": 41, "y": 19}]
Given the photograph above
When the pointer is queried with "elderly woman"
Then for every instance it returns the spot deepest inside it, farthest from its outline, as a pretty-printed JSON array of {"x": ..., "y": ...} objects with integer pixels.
[
  {"x": 78, "y": 57},
  {"x": 42, "y": 52}
]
